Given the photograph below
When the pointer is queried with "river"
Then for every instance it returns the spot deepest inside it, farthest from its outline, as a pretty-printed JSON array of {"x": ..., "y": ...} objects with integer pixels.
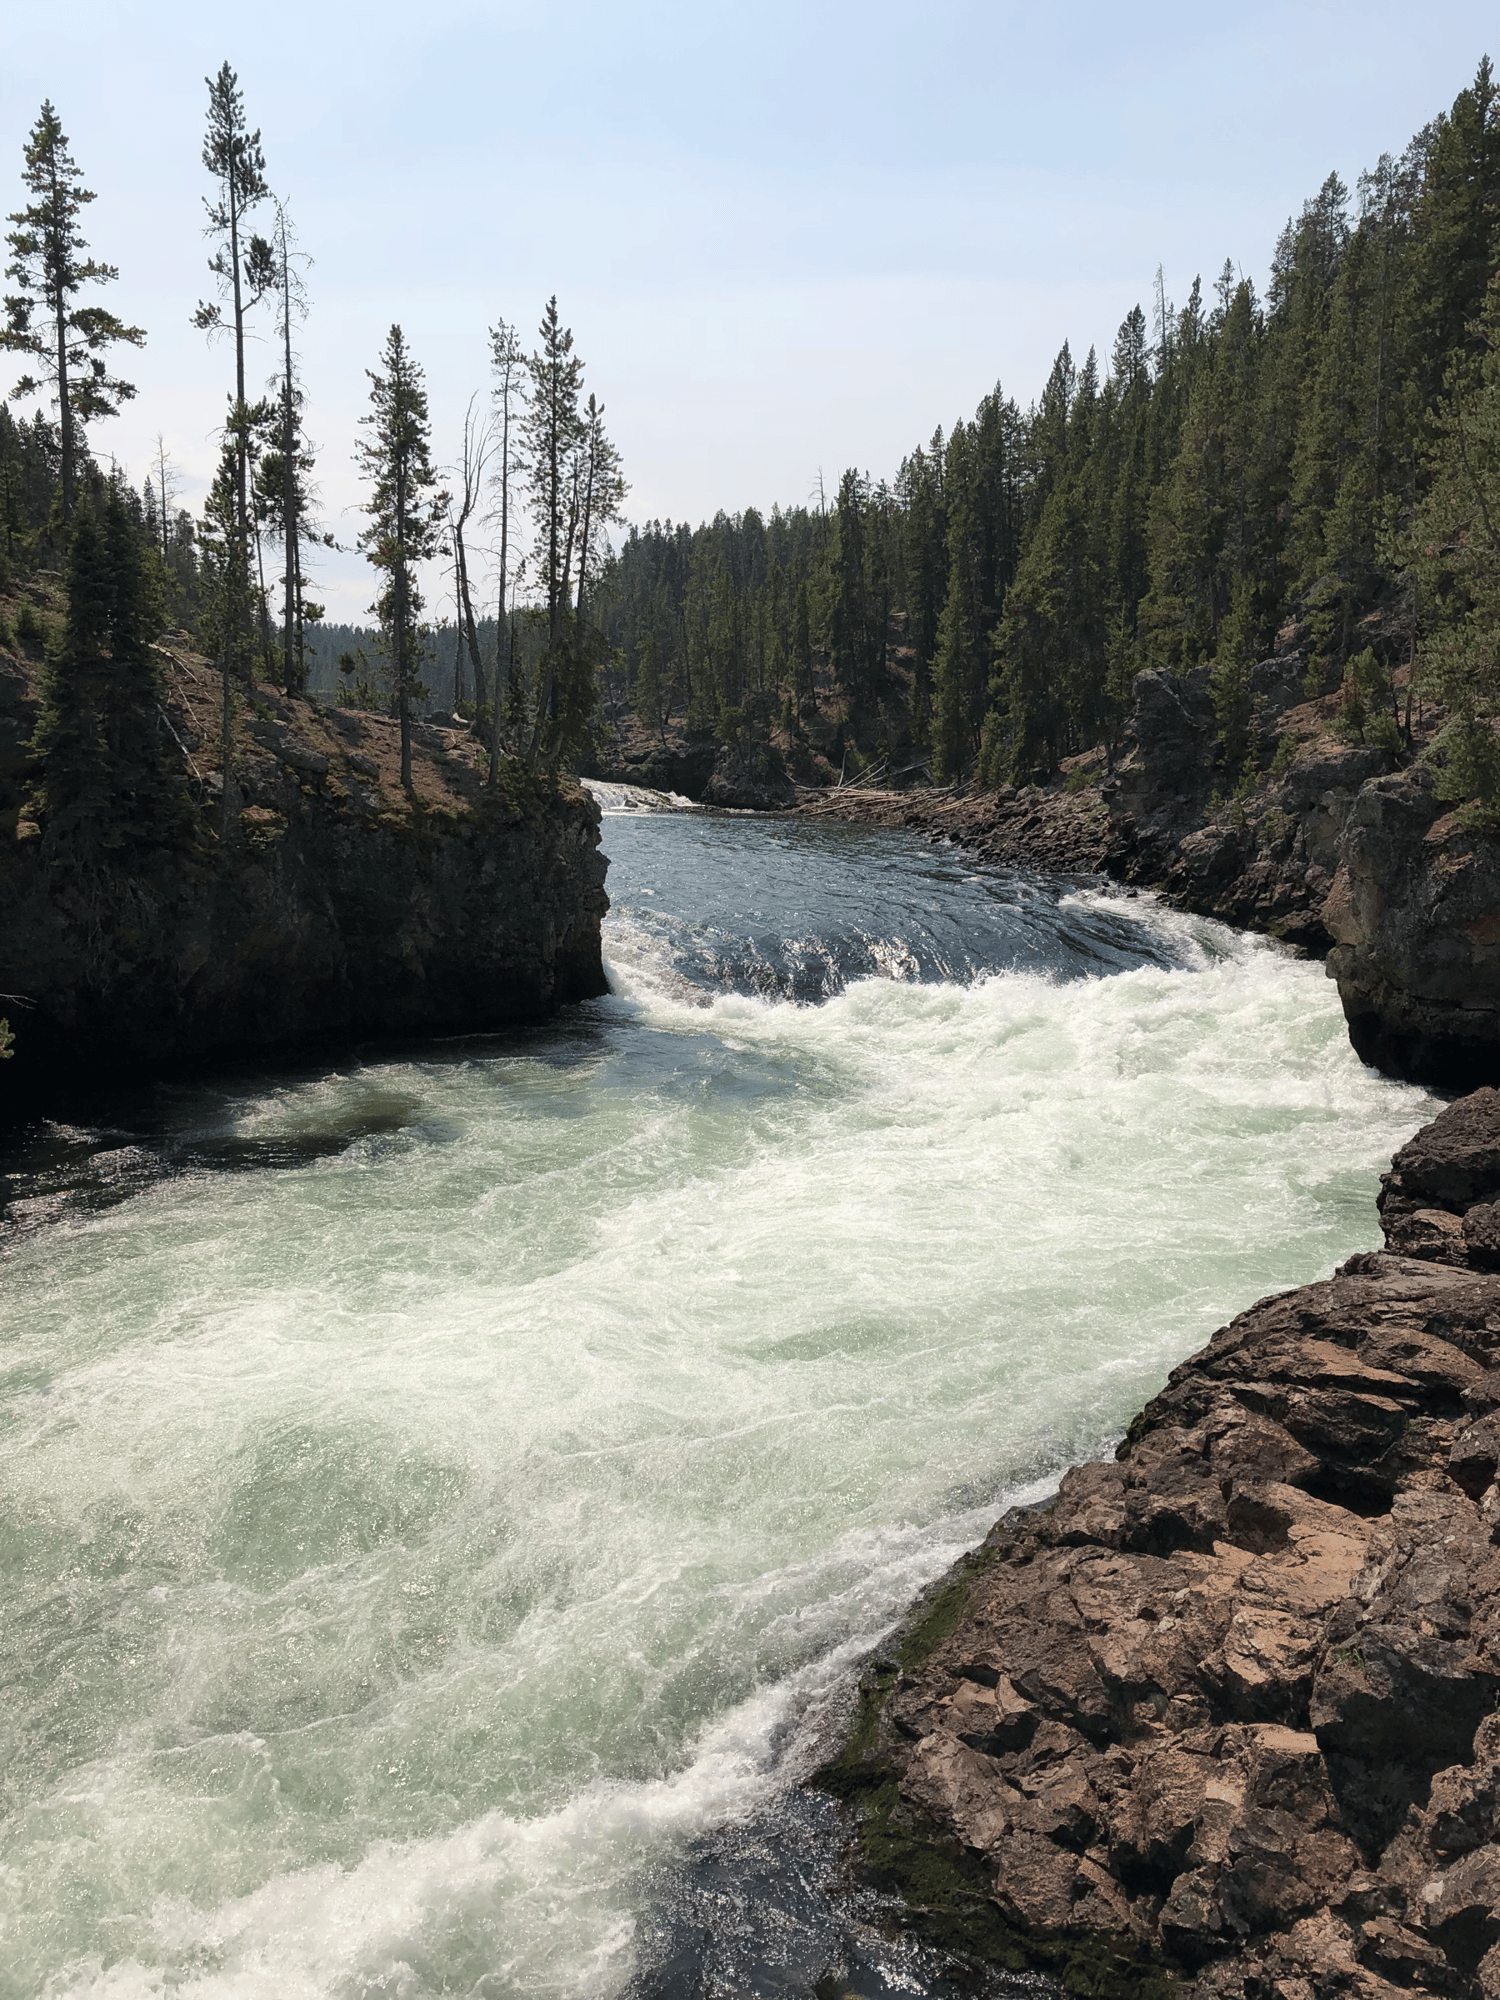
[{"x": 438, "y": 1490}]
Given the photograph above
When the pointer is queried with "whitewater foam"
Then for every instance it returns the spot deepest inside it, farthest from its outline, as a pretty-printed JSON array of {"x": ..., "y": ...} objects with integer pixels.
[{"x": 405, "y": 1550}]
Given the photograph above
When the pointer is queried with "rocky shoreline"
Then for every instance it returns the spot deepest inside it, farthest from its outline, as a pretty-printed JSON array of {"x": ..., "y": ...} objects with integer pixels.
[
  {"x": 1338, "y": 848},
  {"x": 330, "y": 905},
  {"x": 1224, "y": 1713}
]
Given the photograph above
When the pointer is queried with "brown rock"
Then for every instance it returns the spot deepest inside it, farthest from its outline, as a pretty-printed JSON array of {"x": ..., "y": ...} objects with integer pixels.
[{"x": 1236, "y": 1694}]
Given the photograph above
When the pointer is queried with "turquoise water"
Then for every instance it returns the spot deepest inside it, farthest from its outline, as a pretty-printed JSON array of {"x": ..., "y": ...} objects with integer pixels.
[{"x": 411, "y": 1541}]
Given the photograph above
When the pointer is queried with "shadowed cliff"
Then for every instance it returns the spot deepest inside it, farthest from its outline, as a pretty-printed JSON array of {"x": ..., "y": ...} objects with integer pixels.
[{"x": 327, "y": 904}]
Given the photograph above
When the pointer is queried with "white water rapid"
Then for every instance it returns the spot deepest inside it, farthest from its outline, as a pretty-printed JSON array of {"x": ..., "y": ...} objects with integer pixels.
[{"x": 443, "y": 1485}]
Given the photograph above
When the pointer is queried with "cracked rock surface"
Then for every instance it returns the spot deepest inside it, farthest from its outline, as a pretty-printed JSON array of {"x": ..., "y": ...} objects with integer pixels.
[{"x": 1232, "y": 1698}]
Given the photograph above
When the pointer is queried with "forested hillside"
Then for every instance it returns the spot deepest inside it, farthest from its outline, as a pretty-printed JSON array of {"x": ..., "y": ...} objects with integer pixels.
[
  {"x": 1315, "y": 470},
  {"x": 1233, "y": 465}
]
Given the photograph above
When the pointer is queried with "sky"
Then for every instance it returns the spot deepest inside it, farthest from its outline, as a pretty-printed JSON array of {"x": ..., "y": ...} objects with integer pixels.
[{"x": 789, "y": 238}]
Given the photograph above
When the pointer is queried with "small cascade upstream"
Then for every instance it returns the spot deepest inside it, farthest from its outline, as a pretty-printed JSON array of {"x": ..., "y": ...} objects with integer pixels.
[
  {"x": 447, "y": 1498},
  {"x": 613, "y": 799}
]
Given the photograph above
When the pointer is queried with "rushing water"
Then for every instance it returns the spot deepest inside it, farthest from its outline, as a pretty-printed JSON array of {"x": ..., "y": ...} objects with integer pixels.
[{"x": 438, "y": 1491}]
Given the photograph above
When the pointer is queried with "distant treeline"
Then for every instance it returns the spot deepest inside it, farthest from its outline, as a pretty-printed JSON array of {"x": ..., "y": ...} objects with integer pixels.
[
  {"x": 446, "y": 669},
  {"x": 1234, "y": 464}
]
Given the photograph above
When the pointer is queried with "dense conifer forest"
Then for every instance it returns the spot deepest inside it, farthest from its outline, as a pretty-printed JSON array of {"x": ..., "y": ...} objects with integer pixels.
[
  {"x": 1323, "y": 456},
  {"x": 1323, "y": 460}
]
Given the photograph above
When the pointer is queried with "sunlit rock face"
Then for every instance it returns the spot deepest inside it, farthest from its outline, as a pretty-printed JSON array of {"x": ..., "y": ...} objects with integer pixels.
[
  {"x": 1415, "y": 912},
  {"x": 1231, "y": 1698}
]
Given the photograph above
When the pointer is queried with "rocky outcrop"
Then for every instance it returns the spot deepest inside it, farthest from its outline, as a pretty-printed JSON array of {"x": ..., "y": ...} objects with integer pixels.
[
  {"x": 746, "y": 775},
  {"x": 1228, "y": 1705},
  {"x": 1414, "y": 911},
  {"x": 676, "y": 763},
  {"x": 1264, "y": 862},
  {"x": 1333, "y": 849},
  {"x": 1441, "y": 1199},
  {"x": 337, "y": 907},
  {"x": 749, "y": 776},
  {"x": 1063, "y": 832}
]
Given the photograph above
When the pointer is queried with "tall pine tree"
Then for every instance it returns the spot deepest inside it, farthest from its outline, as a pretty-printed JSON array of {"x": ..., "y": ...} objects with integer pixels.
[
  {"x": 406, "y": 513},
  {"x": 49, "y": 267}
]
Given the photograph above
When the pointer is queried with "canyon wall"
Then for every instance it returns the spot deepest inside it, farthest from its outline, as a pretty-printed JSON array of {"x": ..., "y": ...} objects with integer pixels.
[{"x": 328, "y": 905}]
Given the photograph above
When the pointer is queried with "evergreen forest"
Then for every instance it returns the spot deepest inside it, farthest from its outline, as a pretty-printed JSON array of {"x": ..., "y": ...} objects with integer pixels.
[
  {"x": 1323, "y": 461},
  {"x": 1235, "y": 465}
]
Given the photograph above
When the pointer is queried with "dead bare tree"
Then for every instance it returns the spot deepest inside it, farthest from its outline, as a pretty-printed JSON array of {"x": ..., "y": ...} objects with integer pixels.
[
  {"x": 478, "y": 449},
  {"x": 508, "y": 365}
]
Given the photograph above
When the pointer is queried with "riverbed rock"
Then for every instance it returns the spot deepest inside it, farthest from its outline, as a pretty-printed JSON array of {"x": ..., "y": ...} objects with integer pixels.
[
  {"x": 1229, "y": 1703},
  {"x": 666, "y": 761}
]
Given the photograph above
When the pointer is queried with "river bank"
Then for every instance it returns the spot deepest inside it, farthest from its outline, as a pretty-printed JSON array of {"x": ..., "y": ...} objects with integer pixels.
[
  {"x": 1225, "y": 1709},
  {"x": 1337, "y": 848},
  {"x": 328, "y": 905}
]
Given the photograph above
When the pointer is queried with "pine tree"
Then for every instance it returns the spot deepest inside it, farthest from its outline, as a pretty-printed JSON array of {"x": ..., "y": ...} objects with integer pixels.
[
  {"x": 924, "y": 571},
  {"x": 851, "y": 651},
  {"x": 652, "y": 689},
  {"x": 69, "y": 738},
  {"x": 49, "y": 268},
  {"x": 406, "y": 512},
  {"x": 598, "y": 491},
  {"x": 1454, "y": 551},
  {"x": 550, "y": 434},
  {"x": 148, "y": 800},
  {"x": 111, "y": 770},
  {"x": 1455, "y": 226},
  {"x": 245, "y": 266},
  {"x": 282, "y": 496}
]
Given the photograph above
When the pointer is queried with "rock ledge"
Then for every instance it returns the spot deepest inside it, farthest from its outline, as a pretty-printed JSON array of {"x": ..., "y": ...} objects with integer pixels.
[{"x": 1226, "y": 1709}]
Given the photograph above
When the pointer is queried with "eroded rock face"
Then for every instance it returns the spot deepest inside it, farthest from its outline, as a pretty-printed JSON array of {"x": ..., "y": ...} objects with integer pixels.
[
  {"x": 1233, "y": 1698},
  {"x": 749, "y": 776},
  {"x": 677, "y": 764},
  {"x": 1415, "y": 914},
  {"x": 337, "y": 924}
]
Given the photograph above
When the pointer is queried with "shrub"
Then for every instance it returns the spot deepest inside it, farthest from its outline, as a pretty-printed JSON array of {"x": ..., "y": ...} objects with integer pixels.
[{"x": 30, "y": 630}]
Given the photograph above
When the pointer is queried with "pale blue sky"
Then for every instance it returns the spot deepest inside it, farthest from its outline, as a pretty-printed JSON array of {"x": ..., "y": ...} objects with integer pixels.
[{"x": 786, "y": 237}]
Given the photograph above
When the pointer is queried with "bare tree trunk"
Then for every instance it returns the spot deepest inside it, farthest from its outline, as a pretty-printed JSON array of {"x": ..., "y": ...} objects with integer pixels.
[
  {"x": 166, "y": 496},
  {"x": 267, "y": 652},
  {"x": 228, "y": 785},
  {"x": 291, "y": 527},
  {"x": 64, "y": 407},
  {"x": 506, "y": 360},
  {"x": 470, "y": 631},
  {"x": 299, "y": 655}
]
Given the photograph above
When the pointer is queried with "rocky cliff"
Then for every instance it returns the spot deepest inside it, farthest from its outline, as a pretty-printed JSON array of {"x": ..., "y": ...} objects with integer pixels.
[
  {"x": 1340, "y": 848},
  {"x": 1226, "y": 1709},
  {"x": 748, "y": 774},
  {"x": 329, "y": 905}
]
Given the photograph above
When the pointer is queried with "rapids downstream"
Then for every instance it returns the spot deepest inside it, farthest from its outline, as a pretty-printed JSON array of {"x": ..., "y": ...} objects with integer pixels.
[{"x": 437, "y": 1492}]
